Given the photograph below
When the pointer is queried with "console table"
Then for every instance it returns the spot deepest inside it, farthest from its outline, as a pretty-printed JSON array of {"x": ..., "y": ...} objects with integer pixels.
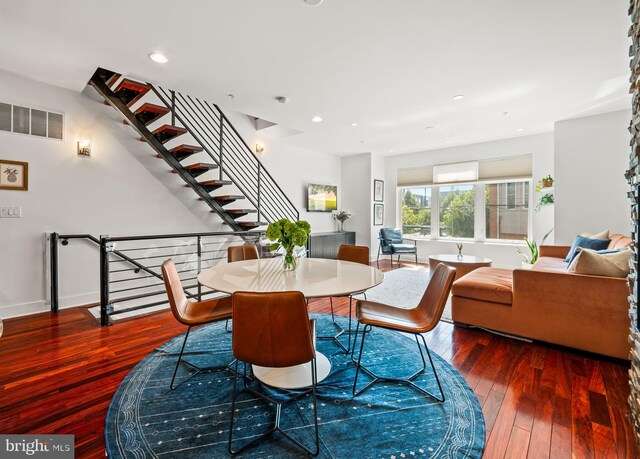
[{"x": 326, "y": 245}]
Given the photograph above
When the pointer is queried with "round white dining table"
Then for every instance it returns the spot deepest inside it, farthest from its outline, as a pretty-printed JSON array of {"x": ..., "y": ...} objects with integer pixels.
[{"x": 314, "y": 277}]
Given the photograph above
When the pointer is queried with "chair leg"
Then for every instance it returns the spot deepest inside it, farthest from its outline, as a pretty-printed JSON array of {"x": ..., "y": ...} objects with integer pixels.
[
  {"x": 358, "y": 365},
  {"x": 175, "y": 372},
  {"x": 416, "y": 257},
  {"x": 276, "y": 427},
  {"x": 408, "y": 381},
  {"x": 341, "y": 330},
  {"x": 226, "y": 327},
  {"x": 355, "y": 339}
]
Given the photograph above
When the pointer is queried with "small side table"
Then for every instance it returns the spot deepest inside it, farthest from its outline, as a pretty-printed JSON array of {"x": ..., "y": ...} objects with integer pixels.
[{"x": 463, "y": 266}]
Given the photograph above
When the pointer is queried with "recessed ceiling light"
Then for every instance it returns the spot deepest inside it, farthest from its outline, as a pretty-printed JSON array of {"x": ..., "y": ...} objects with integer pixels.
[
  {"x": 313, "y": 2},
  {"x": 447, "y": 141},
  {"x": 316, "y": 119},
  {"x": 390, "y": 150},
  {"x": 429, "y": 127},
  {"x": 159, "y": 58},
  {"x": 520, "y": 129},
  {"x": 458, "y": 97},
  {"x": 354, "y": 124},
  {"x": 505, "y": 113}
]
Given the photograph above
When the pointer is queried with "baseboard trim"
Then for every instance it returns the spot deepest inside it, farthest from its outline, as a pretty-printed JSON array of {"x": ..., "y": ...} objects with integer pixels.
[{"x": 40, "y": 306}]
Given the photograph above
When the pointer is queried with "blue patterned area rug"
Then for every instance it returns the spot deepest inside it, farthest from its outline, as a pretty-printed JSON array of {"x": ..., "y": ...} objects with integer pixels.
[{"x": 147, "y": 419}]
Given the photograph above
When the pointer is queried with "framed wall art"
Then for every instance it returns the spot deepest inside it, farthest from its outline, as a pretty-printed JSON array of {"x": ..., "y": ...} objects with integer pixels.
[
  {"x": 378, "y": 190},
  {"x": 378, "y": 214},
  {"x": 14, "y": 175}
]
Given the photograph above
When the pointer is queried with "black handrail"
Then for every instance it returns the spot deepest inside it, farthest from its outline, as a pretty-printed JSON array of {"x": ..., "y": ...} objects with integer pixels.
[{"x": 115, "y": 282}]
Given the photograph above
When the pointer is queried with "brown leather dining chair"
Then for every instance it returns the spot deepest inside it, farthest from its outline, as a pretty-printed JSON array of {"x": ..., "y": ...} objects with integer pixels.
[
  {"x": 421, "y": 319},
  {"x": 190, "y": 313},
  {"x": 273, "y": 330},
  {"x": 241, "y": 253},
  {"x": 355, "y": 254}
]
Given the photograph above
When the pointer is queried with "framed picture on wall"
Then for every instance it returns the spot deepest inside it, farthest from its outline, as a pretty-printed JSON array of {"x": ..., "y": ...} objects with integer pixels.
[
  {"x": 378, "y": 214},
  {"x": 14, "y": 175},
  {"x": 378, "y": 190}
]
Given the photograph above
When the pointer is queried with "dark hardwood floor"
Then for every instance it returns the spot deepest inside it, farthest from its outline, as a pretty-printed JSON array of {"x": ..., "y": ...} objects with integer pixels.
[{"x": 59, "y": 372}]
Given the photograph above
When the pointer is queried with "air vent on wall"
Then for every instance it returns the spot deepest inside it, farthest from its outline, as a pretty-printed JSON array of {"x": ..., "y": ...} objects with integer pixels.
[{"x": 25, "y": 120}]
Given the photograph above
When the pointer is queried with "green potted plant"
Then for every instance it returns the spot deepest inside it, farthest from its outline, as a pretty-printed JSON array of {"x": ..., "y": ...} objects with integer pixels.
[
  {"x": 531, "y": 257},
  {"x": 544, "y": 182},
  {"x": 545, "y": 200},
  {"x": 288, "y": 235}
]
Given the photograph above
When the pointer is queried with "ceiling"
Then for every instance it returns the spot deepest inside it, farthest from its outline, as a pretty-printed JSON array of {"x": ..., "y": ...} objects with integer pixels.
[{"x": 392, "y": 67}]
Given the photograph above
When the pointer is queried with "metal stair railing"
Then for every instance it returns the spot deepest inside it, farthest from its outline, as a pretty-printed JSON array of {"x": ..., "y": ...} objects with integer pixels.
[
  {"x": 130, "y": 274},
  {"x": 208, "y": 125}
]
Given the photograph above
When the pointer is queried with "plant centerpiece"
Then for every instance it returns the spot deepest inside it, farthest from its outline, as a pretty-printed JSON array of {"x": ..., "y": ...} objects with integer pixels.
[
  {"x": 342, "y": 216},
  {"x": 288, "y": 235},
  {"x": 532, "y": 256}
]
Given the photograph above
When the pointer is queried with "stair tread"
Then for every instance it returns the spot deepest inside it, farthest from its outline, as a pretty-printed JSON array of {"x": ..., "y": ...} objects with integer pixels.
[
  {"x": 167, "y": 132},
  {"x": 186, "y": 149},
  {"x": 249, "y": 224},
  {"x": 216, "y": 182},
  {"x": 230, "y": 196},
  {"x": 130, "y": 91},
  {"x": 207, "y": 166},
  {"x": 148, "y": 113},
  {"x": 169, "y": 128},
  {"x": 241, "y": 211}
]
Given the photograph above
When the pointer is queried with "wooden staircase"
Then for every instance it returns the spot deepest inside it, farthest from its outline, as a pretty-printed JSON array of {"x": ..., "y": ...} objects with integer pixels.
[{"x": 130, "y": 98}]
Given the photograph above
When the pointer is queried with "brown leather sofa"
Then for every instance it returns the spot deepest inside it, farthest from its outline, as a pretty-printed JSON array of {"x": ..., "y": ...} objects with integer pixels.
[{"x": 547, "y": 303}]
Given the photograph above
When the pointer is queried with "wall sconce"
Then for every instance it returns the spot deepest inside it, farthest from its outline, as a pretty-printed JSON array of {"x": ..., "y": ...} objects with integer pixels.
[
  {"x": 259, "y": 148},
  {"x": 84, "y": 145}
]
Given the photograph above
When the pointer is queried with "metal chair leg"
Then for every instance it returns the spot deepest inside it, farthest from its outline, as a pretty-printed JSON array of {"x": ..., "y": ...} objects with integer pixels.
[
  {"x": 276, "y": 427},
  {"x": 175, "y": 372},
  {"x": 408, "y": 380},
  {"x": 226, "y": 327}
]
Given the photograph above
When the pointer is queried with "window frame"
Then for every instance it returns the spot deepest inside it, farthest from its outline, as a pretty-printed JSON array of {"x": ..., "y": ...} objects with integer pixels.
[{"x": 479, "y": 210}]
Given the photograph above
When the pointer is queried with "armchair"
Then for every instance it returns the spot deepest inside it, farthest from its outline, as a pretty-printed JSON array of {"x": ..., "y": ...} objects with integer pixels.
[{"x": 392, "y": 243}]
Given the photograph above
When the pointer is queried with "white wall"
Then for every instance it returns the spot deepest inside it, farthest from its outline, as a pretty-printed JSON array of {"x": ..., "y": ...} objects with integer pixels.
[
  {"x": 356, "y": 179},
  {"x": 122, "y": 189},
  {"x": 591, "y": 157},
  {"x": 540, "y": 147}
]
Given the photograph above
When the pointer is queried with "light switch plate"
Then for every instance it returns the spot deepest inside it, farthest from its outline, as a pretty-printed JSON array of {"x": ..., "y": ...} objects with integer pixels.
[{"x": 11, "y": 212}]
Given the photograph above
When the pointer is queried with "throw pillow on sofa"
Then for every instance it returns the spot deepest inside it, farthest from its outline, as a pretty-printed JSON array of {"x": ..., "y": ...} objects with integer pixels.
[
  {"x": 601, "y": 235},
  {"x": 586, "y": 243},
  {"x": 612, "y": 264}
]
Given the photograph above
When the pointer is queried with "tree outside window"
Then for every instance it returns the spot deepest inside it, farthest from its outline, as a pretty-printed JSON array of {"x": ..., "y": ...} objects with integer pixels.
[
  {"x": 457, "y": 211},
  {"x": 416, "y": 211}
]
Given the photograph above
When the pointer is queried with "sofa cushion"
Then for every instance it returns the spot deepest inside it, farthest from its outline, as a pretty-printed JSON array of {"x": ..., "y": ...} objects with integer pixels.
[
  {"x": 613, "y": 264},
  {"x": 618, "y": 241},
  {"x": 400, "y": 248},
  {"x": 587, "y": 243},
  {"x": 550, "y": 264},
  {"x": 486, "y": 284},
  {"x": 391, "y": 236}
]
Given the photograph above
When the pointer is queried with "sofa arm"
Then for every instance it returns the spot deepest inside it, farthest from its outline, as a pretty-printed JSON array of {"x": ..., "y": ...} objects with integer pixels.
[
  {"x": 555, "y": 251},
  {"x": 580, "y": 311}
]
